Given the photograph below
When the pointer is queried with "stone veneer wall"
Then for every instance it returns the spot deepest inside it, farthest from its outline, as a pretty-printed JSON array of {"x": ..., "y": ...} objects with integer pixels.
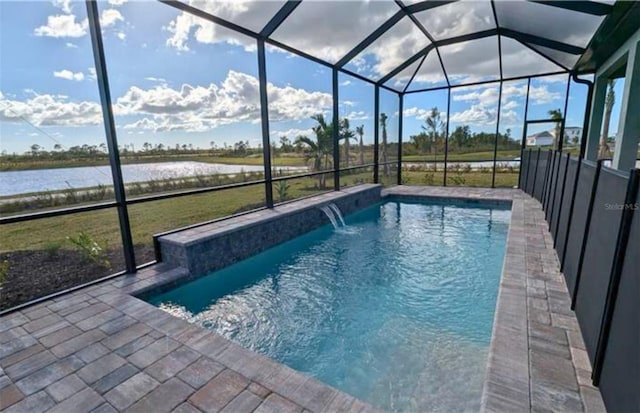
[{"x": 218, "y": 245}]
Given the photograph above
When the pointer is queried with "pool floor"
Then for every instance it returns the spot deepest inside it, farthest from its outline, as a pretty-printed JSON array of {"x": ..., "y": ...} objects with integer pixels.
[{"x": 395, "y": 309}]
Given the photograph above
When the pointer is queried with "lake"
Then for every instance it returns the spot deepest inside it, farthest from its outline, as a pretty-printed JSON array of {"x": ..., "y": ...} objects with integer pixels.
[{"x": 41, "y": 180}]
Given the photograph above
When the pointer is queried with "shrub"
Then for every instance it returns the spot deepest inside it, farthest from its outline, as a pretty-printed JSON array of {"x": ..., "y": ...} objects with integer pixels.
[
  {"x": 52, "y": 248},
  {"x": 283, "y": 190},
  {"x": 429, "y": 178},
  {"x": 458, "y": 180},
  {"x": 90, "y": 249},
  {"x": 4, "y": 270}
]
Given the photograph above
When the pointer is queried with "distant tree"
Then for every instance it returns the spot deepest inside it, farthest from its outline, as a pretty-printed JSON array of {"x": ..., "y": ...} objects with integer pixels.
[
  {"x": 57, "y": 147},
  {"x": 285, "y": 144},
  {"x": 360, "y": 132},
  {"x": 434, "y": 125},
  {"x": 319, "y": 151},
  {"x": 556, "y": 115},
  {"x": 383, "y": 125},
  {"x": 35, "y": 149},
  {"x": 604, "y": 150},
  {"x": 461, "y": 136},
  {"x": 345, "y": 134}
]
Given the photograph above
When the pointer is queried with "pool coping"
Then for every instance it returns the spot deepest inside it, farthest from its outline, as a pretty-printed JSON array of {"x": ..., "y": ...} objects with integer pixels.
[{"x": 79, "y": 335}]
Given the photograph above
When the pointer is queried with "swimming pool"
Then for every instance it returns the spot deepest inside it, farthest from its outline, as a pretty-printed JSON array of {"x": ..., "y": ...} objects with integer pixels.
[{"x": 396, "y": 309}]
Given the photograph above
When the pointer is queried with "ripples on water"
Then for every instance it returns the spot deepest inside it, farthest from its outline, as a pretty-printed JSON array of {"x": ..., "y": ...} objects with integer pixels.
[
  {"x": 396, "y": 309},
  {"x": 40, "y": 180}
]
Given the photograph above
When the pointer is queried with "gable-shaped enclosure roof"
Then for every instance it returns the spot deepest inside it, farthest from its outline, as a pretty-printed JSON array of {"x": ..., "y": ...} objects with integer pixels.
[{"x": 409, "y": 45}]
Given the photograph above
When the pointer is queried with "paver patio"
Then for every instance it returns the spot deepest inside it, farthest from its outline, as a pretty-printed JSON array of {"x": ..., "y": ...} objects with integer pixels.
[{"x": 101, "y": 349}]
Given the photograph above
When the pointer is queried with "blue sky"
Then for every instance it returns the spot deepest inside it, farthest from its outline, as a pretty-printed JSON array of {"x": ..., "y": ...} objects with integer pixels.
[{"x": 176, "y": 79}]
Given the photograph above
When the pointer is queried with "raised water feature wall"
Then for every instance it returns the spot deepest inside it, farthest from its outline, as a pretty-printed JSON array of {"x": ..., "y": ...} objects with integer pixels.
[{"x": 214, "y": 246}]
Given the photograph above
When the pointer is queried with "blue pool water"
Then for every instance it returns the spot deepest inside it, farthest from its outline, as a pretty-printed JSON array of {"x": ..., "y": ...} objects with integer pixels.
[{"x": 396, "y": 310}]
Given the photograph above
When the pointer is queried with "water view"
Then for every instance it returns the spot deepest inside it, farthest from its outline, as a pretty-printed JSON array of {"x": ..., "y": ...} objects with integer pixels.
[{"x": 41, "y": 180}]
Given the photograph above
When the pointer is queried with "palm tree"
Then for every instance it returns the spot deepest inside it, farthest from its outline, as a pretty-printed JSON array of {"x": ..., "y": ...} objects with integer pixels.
[
  {"x": 345, "y": 133},
  {"x": 556, "y": 115},
  {"x": 383, "y": 125},
  {"x": 604, "y": 151},
  {"x": 360, "y": 132},
  {"x": 434, "y": 125},
  {"x": 319, "y": 150}
]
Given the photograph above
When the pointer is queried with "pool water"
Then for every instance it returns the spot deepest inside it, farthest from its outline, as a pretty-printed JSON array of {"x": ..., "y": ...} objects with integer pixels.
[{"x": 396, "y": 309}]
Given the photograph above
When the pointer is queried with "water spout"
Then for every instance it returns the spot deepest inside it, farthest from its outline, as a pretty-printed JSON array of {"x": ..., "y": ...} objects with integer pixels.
[
  {"x": 329, "y": 213},
  {"x": 335, "y": 209}
]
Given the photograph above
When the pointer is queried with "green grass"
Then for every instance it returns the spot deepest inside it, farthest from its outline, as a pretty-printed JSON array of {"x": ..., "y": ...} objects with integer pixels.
[
  {"x": 146, "y": 218},
  {"x": 471, "y": 156},
  {"x": 473, "y": 178},
  {"x": 29, "y": 163}
]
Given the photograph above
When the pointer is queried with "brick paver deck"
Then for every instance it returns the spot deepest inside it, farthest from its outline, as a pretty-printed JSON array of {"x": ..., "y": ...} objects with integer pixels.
[{"x": 101, "y": 349}]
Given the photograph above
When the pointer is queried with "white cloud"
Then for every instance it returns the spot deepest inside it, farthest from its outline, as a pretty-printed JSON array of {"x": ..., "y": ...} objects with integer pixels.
[
  {"x": 203, "y": 32},
  {"x": 417, "y": 113},
  {"x": 357, "y": 115},
  {"x": 69, "y": 75},
  {"x": 50, "y": 110},
  {"x": 92, "y": 73},
  {"x": 508, "y": 105},
  {"x": 63, "y": 25},
  {"x": 110, "y": 17},
  {"x": 200, "y": 108},
  {"x": 117, "y": 2},
  {"x": 121, "y": 35},
  {"x": 475, "y": 115},
  {"x": 64, "y": 5},
  {"x": 421, "y": 114},
  {"x": 71, "y": 45},
  {"x": 291, "y": 133},
  {"x": 483, "y": 101},
  {"x": 345, "y": 83},
  {"x": 155, "y": 79}
]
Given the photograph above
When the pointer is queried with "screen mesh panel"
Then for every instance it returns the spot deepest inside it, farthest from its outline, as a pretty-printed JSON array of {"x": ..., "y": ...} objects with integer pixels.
[
  {"x": 598, "y": 257},
  {"x": 578, "y": 223}
]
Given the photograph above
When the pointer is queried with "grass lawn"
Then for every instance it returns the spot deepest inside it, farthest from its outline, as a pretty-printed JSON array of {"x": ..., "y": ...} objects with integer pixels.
[
  {"x": 28, "y": 164},
  {"x": 157, "y": 216},
  {"x": 471, "y": 156},
  {"x": 473, "y": 178}
]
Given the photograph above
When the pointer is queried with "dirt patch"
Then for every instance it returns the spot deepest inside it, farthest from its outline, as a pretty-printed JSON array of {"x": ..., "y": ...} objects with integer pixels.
[{"x": 37, "y": 273}]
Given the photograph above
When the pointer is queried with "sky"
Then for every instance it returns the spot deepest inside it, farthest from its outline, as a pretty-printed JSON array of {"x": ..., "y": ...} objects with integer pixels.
[{"x": 178, "y": 79}]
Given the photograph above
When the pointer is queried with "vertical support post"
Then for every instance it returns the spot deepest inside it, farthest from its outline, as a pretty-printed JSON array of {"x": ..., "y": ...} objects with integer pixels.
[
  {"x": 547, "y": 179},
  {"x": 523, "y": 145},
  {"x": 616, "y": 272},
  {"x": 571, "y": 207},
  {"x": 558, "y": 159},
  {"x": 585, "y": 122},
  {"x": 553, "y": 179},
  {"x": 336, "y": 131},
  {"x": 626, "y": 145},
  {"x": 495, "y": 143},
  {"x": 110, "y": 132},
  {"x": 400, "y": 125},
  {"x": 595, "y": 120},
  {"x": 564, "y": 185},
  {"x": 446, "y": 137},
  {"x": 535, "y": 174},
  {"x": 264, "y": 118},
  {"x": 526, "y": 176},
  {"x": 594, "y": 189},
  {"x": 564, "y": 115},
  {"x": 376, "y": 131}
]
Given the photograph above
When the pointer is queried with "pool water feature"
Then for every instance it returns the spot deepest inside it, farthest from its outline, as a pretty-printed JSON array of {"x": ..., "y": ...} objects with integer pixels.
[{"x": 395, "y": 309}]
